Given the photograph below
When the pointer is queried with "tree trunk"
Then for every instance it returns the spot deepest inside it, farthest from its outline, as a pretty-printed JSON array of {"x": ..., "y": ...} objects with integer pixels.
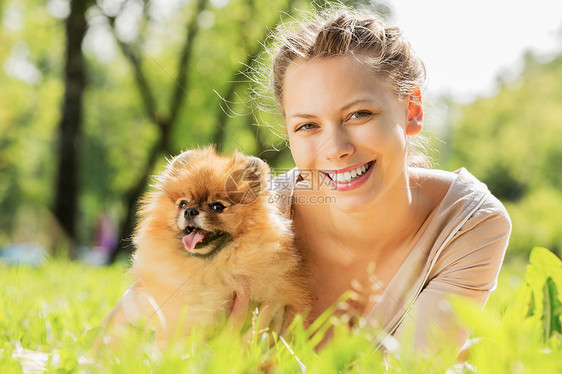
[
  {"x": 126, "y": 228},
  {"x": 70, "y": 126}
]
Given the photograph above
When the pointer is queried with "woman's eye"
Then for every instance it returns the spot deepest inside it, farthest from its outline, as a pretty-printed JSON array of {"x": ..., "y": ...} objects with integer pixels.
[
  {"x": 182, "y": 204},
  {"x": 217, "y": 207},
  {"x": 306, "y": 126},
  {"x": 359, "y": 114}
]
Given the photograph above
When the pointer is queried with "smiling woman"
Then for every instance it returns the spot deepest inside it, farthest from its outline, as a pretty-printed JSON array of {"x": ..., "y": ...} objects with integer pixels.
[
  {"x": 350, "y": 119},
  {"x": 365, "y": 216},
  {"x": 404, "y": 238}
]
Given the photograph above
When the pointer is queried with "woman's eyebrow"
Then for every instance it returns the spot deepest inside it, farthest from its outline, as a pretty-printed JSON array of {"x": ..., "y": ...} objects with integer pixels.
[
  {"x": 356, "y": 102},
  {"x": 344, "y": 108},
  {"x": 301, "y": 115}
]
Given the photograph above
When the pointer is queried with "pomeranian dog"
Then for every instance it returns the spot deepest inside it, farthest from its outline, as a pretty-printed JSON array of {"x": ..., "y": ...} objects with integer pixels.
[{"x": 206, "y": 233}]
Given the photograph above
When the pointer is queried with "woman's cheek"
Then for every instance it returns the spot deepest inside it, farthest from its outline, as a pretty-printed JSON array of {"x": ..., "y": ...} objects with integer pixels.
[
  {"x": 384, "y": 138},
  {"x": 298, "y": 147}
]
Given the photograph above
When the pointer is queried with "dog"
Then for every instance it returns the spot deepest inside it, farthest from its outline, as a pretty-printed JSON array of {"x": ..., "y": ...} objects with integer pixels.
[{"x": 207, "y": 232}]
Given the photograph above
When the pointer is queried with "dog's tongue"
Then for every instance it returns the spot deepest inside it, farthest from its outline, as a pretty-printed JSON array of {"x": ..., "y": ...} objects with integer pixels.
[{"x": 191, "y": 240}]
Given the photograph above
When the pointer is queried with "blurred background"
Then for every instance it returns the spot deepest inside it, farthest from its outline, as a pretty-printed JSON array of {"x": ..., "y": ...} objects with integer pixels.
[{"x": 95, "y": 94}]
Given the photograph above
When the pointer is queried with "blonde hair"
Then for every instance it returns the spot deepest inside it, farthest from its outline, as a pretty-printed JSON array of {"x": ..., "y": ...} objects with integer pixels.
[{"x": 342, "y": 31}]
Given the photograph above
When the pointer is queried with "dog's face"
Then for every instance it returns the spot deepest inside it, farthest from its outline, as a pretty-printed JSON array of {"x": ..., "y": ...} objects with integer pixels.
[{"x": 208, "y": 198}]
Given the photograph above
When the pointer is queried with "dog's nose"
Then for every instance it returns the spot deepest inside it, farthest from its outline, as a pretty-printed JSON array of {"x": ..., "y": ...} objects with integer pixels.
[{"x": 190, "y": 212}]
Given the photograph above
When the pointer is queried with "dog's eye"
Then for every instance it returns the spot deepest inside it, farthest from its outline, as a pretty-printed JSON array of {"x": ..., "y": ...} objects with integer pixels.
[
  {"x": 182, "y": 204},
  {"x": 217, "y": 207}
]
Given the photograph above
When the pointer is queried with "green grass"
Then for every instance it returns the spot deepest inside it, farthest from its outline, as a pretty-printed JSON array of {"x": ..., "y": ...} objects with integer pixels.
[{"x": 55, "y": 309}]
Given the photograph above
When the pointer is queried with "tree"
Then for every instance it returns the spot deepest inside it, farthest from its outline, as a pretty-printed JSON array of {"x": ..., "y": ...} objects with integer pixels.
[
  {"x": 70, "y": 126},
  {"x": 165, "y": 123}
]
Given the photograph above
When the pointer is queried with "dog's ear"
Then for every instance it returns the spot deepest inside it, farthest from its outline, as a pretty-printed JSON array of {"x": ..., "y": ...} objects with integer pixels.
[
  {"x": 187, "y": 157},
  {"x": 175, "y": 164},
  {"x": 247, "y": 180},
  {"x": 250, "y": 164},
  {"x": 181, "y": 159},
  {"x": 257, "y": 165}
]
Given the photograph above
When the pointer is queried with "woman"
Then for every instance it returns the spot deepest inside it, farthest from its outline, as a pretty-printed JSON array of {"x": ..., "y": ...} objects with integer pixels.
[
  {"x": 349, "y": 91},
  {"x": 367, "y": 217}
]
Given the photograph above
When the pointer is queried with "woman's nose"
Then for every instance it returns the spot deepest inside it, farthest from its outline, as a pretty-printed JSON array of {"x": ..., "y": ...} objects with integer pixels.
[{"x": 338, "y": 145}]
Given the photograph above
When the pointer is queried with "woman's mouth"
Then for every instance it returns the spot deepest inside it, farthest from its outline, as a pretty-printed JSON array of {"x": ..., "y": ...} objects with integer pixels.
[
  {"x": 349, "y": 178},
  {"x": 350, "y": 175}
]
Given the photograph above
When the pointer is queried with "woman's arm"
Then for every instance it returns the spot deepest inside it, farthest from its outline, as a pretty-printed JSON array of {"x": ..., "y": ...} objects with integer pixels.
[
  {"x": 124, "y": 313},
  {"x": 468, "y": 267}
]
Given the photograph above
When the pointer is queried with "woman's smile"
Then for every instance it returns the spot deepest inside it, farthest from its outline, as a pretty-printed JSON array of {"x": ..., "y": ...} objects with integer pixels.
[{"x": 349, "y": 178}]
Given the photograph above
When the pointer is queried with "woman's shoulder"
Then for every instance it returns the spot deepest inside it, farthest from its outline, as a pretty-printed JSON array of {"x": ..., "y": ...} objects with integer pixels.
[
  {"x": 471, "y": 230},
  {"x": 461, "y": 195},
  {"x": 468, "y": 212},
  {"x": 429, "y": 187},
  {"x": 432, "y": 180},
  {"x": 459, "y": 184}
]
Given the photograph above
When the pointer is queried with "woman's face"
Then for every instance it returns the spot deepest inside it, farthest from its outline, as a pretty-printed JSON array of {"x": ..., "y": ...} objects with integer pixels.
[{"x": 347, "y": 130}]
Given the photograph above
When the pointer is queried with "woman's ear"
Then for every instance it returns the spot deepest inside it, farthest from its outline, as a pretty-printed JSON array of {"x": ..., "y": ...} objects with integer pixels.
[{"x": 415, "y": 112}]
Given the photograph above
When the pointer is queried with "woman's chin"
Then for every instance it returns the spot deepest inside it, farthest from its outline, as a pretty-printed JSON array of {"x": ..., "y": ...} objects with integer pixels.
[
  {"x": 350, "y": 208},
  {"x": 351, "y": 204}
]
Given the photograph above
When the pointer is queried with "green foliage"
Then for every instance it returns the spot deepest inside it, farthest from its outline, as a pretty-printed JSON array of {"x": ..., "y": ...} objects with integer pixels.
[
  {"x": 552, "y": 310},
  {"x": 536, "y": 221},
  {"x": 544, "y": 279},
  {"x": 524, "y": 336},
  {"x": 118, "y": 132},
  {"x": 30, "y": 95},
  {"x": 509, "y": 142},
  {"x": 54, "y": 326}
]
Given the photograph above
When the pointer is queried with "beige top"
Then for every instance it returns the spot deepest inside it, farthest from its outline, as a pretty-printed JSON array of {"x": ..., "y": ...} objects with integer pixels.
[{"x": 460, "y": 252}]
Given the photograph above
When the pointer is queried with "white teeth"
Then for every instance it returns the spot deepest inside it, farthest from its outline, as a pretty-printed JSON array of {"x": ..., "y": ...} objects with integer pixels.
[{"x": 348, "y": 176}]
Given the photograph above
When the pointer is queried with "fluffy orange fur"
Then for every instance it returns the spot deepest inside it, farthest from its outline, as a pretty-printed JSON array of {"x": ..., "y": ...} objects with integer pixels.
[{"x": 257, "y": 259}]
